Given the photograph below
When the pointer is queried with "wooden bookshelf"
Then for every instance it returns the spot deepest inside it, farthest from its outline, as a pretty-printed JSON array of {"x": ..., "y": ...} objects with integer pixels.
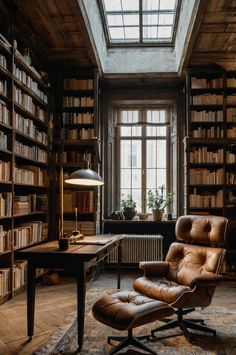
[
  {"x": 24, "y": 142},
  {"x": 76, "y": 140},
  {"x": 210, "y": 142}
]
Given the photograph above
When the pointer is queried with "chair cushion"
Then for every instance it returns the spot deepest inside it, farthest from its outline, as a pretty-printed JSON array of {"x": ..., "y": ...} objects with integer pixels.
[
  {"x": 202, "y": 229},
  {"x": 160, "y": 288},
  {"x": 126, "y": 309}
]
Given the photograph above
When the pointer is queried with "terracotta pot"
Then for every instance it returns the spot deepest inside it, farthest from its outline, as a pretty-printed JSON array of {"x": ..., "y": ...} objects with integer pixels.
[{"x": 157, "y": 215}]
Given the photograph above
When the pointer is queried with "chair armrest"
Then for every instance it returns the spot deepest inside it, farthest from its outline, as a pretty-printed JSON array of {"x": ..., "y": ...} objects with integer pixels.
[
  {"x": 207, "y": 280},
  {"x": 154, "y": 268}
]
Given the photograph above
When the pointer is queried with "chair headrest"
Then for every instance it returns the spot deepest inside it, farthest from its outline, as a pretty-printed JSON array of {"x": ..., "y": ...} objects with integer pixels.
[{"x": 202, "y": 229}]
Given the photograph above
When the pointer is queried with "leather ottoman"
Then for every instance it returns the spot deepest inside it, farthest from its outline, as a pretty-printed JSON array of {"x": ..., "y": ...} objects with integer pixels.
[{"x": 125, "y": 310}]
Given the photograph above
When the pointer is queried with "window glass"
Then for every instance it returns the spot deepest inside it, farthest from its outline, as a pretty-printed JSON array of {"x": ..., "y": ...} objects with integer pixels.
[{"x": 143, "y": 152}]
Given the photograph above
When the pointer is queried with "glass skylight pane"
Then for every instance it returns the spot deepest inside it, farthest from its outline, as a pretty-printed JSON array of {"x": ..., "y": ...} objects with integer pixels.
[
  {"x": 131, "y": 32},
  {"x": 150, "y": 5},
  {"x": 117, "y": 32},
  {"x": 131, "y": 20},
  {"x": 164, "y": 32},
  {"x": 150, "y": 19},
  {"x": 166, "y": 19},
  {"x": 130, "y": 5},
  {"x": 112, "y": 5},
  {"x": 167, "y": 4},
  {"x": 115, "y": 20}
]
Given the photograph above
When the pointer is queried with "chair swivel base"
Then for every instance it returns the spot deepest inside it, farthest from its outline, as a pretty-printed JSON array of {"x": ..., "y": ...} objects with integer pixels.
[
  {"x": 184, "y": 325},
  {"x": 130, "y": 340}
]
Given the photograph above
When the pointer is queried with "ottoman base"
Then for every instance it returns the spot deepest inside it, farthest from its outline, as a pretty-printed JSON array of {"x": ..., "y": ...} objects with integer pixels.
[{"x": 129, "y": 340}]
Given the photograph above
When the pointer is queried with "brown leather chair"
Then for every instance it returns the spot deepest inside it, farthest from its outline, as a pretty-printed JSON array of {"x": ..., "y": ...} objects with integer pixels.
[{"x": 190, "y": 273}]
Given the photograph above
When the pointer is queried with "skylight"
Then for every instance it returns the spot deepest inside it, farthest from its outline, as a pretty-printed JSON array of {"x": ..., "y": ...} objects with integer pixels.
[{"x": 140, "y": 21}]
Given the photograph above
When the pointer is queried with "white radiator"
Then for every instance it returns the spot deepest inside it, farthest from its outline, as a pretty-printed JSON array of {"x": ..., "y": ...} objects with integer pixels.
[{"x": 137, "y": 247}]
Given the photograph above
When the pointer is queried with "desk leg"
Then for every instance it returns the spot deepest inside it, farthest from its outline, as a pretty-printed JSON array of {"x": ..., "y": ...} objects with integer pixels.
[
  {"x": 30, "y": 298},
  {"x": 81, "y": 290},
  {"x": 119, "y": 265}
]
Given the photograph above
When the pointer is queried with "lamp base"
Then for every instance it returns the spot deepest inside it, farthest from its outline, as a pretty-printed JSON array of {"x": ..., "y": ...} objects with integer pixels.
[{"x": 75, "y": 236}]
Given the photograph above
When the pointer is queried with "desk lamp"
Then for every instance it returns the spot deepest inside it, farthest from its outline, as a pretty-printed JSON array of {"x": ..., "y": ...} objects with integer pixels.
[{"x": 81, "y": 177}]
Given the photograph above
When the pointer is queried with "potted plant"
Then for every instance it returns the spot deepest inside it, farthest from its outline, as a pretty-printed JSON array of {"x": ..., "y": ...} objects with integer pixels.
[
  {"x": 128, "y": 205},
  {"x": 157, "y": 200}
]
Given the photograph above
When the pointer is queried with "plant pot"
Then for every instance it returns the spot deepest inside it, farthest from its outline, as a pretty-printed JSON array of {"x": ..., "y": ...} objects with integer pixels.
[
  {"x": 157, "y": 215},
  {"x": 143, "y": 216},
  {"x": 129, "y": 213}
]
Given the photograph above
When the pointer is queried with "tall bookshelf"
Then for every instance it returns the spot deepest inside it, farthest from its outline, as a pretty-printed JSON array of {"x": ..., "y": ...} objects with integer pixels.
[
  {"x": 210, "y": 142},
  {"x": 23, "y": 163},
  {"x": 76, "y": 140}
]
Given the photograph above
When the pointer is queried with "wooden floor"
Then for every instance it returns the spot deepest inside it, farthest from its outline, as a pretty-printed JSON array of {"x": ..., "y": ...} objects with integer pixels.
[{"x": 54, "y": 303}]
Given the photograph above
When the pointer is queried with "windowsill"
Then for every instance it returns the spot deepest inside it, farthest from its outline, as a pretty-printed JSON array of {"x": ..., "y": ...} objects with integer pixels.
[{"x": 138, "y": 221}]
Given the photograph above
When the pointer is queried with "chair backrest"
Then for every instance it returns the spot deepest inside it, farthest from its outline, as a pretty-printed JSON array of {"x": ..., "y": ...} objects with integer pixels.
[
  {"x": 210, "y": 230},
  {"x": 188, "y": 260}
]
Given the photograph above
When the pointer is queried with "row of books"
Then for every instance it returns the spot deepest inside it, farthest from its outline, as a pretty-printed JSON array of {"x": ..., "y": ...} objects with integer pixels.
[
  {"x": 203, "y": 155},
  {"x": 3, "y": 87},
  {"x": 5, "y": 204},
  {"x": 33, "y": 152},
  {"x": 78, "y": 84},
  {"x": 85, "y": 227},
  {"x": 78, "y": 118},
  {"x": 207, "y": 116},
  {"x": 72, "y": 101},
  {"x": 19, "y": 274},
  {"x": 3, "y": 140},
  {"x": 206, "y": 200},
  {"x": 27, "y": 127},
  {"x": 206, "y": 176},
  {"x": 202, "y": 83},
  {"x": 29, "y": 204},
  {"x": 230, "y": 178},
  {"x": 5, "y": 114},
  {"x": 30, "y": 83},
  {"x": 77, "y": 133},
  {"x": 5, "y": 239},
  {"x": 73, "y": 156},
  {"x": 30, "y": 175},
  {"x": 231, "y": 99},
  {"x": 29, "y": 233},
  {"x": 231, "y": 114},
  {"x": 3, "y": 61},
  {"x": 230, "y": 157},
  {"x": 5, "y": 170},
  {"x": 26, "y": 234},
  {"x": 4, "y": 281},
  {"x": 26, "y": 102},
  {"x": 231, "y": 132},
  {"x": 211, "y": 132},
  {"x": 207, "y": 99},
  {"x": 83, "y": 200}
]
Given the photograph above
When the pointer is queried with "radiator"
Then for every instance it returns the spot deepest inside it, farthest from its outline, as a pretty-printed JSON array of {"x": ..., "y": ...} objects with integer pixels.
[{"x": 137, "y": 247}]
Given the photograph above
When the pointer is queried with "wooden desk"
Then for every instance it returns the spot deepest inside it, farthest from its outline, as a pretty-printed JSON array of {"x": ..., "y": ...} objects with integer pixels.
[{"x": 77, "y": 258}]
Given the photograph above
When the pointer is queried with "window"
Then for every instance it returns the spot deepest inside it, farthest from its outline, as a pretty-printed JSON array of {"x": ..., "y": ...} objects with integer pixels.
[
  {"x": 140, "y": 21},
  {"x": 143, "y": 136}
]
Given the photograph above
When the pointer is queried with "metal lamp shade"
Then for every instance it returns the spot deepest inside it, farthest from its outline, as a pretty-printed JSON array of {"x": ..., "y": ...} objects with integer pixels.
[{"x": 84, "y": 177}]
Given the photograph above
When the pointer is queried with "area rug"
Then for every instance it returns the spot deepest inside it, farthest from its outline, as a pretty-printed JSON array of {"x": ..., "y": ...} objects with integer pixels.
[{"x": 170, "y": 342}]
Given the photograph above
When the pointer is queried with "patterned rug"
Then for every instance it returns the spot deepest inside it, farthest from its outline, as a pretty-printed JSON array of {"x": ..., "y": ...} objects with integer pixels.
[{"x": 222, "y": 319}]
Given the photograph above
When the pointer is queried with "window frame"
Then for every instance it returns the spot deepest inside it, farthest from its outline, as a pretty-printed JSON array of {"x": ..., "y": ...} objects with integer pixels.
[
  {"x": 144, "y": 138},
  {"x": 148, "y": 43}
]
